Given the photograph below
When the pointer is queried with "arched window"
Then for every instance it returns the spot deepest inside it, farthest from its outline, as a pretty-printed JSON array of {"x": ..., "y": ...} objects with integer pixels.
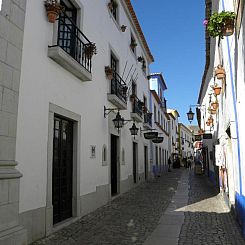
[
  {"x": 104, "y": 155},
  {"x": 123, "y": 156}
]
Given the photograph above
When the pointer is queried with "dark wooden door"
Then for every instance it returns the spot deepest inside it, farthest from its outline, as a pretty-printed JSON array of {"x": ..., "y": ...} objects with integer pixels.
[
  {"x": 135, "y": 161},
  {"x": 113, "y": 164},
  {"x": 62, "y": 169}
]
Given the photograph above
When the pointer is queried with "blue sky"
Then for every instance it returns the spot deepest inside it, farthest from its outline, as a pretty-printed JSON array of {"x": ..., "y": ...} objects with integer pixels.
[{"x": 175, "y": 35}]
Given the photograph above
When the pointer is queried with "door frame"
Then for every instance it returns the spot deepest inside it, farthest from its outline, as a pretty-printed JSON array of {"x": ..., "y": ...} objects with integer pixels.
[{"x": 76, "y": 119}]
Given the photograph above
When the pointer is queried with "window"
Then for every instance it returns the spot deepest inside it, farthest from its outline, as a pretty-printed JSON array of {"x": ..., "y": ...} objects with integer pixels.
[
  {"x": 104, "y": 155},
  {"x": 114, "y": 63},
  {"x": 144, "y": 65},
  {"x": 134, "y": 88},
  {"x": 155, "y": 114},
  {"x": 67, "y": 33},
  {"x": 113, "y": 6},
  {"x": 133, "y": 44},
  {"x": 158, "y": 117}
]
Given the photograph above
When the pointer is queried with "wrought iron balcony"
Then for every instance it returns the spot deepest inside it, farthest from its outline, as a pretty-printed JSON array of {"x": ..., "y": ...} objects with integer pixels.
[
  {"x": 137, "y": 108},
  {"x": 72, "y": 49},
  {"x": 118, "y": 95},
  {"x": 147, "y": 117}
]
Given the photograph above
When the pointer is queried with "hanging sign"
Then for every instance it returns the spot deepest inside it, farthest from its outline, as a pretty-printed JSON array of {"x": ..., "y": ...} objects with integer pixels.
[
  {"x": 157, "y": 140},
  {"x": 150, "y": 135}
]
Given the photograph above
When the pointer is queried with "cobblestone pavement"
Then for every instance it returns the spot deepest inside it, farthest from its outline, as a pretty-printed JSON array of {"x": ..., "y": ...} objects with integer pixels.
[
  {"x": 128, "y": 219},
  {"x": 207, "y": 219}
]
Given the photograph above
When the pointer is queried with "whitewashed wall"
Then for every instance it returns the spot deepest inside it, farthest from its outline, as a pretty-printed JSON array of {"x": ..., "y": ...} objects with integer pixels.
[{"x": 43, "y": 81}]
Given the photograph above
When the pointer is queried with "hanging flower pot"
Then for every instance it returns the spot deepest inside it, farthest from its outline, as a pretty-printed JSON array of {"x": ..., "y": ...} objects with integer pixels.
[
  {"x": 213, "y": 111},
  {"x": 133, "y": 44},
  {"x": 217, "y": 90},
  {"x": 215, "y": 105},
  {"x": 109, "y": 72},
  {"x": 228, "y": 28},
  {"x": 208, "y": 123},
  {"x": 210, "y": 120},
  {"x": 221, "y": 24},
  {"x": 90, "y": 50},
  {"x": 53, "y": 9},
  {"x": 123, "y": 28},
  {"x": 220, "y": 72}
]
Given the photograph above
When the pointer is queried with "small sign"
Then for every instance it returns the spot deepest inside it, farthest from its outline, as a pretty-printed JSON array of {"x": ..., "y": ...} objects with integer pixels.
[
  {"x": 92, "y": 151},
  {"x": 198, "y": 137},
  {"x": 207, "y": 136}
]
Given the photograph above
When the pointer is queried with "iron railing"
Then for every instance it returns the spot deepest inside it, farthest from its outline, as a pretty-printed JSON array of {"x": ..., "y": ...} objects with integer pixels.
[
  {"x": 74, "y": 42},
  {"x": 148, "y": 117},
  {"x": 119, "y": 87},
  {"x": 137, "y": 105}
]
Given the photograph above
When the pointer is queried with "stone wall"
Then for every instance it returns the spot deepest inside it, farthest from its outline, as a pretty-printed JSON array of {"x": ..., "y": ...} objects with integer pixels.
[{"x": 12, "y": 20}]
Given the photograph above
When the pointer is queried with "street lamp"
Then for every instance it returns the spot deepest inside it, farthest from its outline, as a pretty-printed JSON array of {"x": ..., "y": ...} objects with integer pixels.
[
  {"x": 118, "y": 121},
  {"x": 190, "y": 115},
  {"x": 134, "y": 130}
]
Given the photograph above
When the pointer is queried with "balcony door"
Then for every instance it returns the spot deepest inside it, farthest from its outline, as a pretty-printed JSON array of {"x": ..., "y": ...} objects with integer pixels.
[{"x": 67, "y": 29}]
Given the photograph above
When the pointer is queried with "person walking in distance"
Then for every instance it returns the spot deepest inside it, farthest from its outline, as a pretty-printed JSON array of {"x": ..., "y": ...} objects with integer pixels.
[{"x": 169, "y": 164}]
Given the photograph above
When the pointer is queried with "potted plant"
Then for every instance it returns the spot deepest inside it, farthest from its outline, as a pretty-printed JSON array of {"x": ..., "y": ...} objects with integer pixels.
[
  {"x": 90, "y": 49},
  {"x": 219, "y": 72},
  {"x": 210, "y": 120},
  {"x": 109, "y": 72},
  {"x": 208, "y": 123},
  {"x": 123, "y": 28},
  {"x": 133, "y": 44},
  {"x": 53, "y": 9},
  {"x": 140, "y": 58},
  {"x": 217, "y": 89},
  {"x": 215, "y": 105},
  {"x": 221, "y": 24}
]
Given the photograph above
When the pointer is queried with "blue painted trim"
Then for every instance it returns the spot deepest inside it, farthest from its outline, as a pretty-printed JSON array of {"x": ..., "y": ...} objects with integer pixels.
[
  {"x": 212, "y": 177},
  {"x": 235, "y": 110},
  {"x": 240, "y": 211}
]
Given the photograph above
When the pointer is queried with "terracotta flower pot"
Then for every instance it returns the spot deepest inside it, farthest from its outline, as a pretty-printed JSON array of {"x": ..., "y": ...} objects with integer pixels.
[
  {"x": 53, "y": 11},
  {"x": 228, "y": 28},
  {"x": 210, "y": 120},
  {"x": 213, "y": 111},
  {"x": 109, "y": 72},
  {"x": 208, "y": 123},
  {"x": 220, "y": 73},
  {"x": 215, "y": 105},
  {"x": 217, "y": 90}
]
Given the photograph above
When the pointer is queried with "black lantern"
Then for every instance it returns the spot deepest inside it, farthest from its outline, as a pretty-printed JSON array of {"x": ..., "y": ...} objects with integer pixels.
[
  {"x": 118, "y": 121},
  {"x": 134, "y": 130},
  {"x": 190, "y": 115}
]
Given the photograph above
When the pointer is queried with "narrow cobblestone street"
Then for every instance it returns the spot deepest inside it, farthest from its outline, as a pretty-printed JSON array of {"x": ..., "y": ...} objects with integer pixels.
[{"x": 133, "y": 217}]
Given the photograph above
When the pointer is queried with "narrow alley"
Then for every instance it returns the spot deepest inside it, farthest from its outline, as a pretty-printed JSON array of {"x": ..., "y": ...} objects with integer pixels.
[{"x": 177, "y": 208}]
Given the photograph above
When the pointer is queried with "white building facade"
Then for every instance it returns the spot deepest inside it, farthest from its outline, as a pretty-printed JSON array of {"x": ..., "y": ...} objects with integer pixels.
[
  {"x": 225, "y": 147},
  {"x": 72, "y": 157}
]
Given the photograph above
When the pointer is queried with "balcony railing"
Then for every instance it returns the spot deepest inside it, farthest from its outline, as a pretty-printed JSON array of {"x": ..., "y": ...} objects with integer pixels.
[
  {"x": 148, "y": 117},
  {"x": 119, "y": 87},
  {"x": 74, "y": 42},
  {"x": 137, "y": 105}
]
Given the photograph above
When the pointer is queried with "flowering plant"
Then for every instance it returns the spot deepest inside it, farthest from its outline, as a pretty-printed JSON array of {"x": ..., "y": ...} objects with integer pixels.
[{"x": 218, "y": 22}]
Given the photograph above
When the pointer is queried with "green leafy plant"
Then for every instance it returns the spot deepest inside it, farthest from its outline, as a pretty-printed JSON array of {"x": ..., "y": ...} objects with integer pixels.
[{"x": 218, "y": 21}]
